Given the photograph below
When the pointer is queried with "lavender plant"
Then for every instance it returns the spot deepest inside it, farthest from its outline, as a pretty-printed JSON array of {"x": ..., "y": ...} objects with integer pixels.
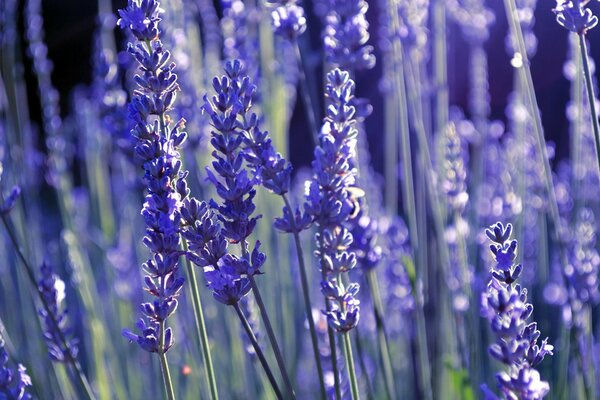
[{"x": 505, "y": 305}]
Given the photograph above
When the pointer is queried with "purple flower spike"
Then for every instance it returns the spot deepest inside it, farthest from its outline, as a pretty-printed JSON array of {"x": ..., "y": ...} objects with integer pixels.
[
  {"x": 330, "y": 200},
  {"x": 505, "y": 306},
  {"x": 157, "y": 151}
]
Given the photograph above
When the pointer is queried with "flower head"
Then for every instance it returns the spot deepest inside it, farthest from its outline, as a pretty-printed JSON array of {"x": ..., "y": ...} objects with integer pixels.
[
  {"x": 12, "y": 386},
  {"x": 574, "y": 16}
]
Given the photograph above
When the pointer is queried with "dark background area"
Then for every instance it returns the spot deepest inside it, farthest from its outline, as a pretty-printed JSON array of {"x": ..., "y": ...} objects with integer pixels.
[{"x": 70, "y": 24}]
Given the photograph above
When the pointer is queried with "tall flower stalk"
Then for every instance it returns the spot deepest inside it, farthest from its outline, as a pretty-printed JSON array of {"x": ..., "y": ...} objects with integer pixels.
[
  {"x": 574, "y": 16},
  {"x": 504, "y": 304},
  {"x": 156, "y": 150},
  {"x": 330, "y": 202},
  {"x": 229, "y": 111}
]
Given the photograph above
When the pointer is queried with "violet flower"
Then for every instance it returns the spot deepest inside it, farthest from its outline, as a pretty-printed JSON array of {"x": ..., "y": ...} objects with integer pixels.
[
  {"x": 13, "y": 386},
  {"x": 505, "y": 305},
  {"x": 287, "y": 18},
  {"x": 330, "y": 203},
  {"x": 156, "y": 151}
]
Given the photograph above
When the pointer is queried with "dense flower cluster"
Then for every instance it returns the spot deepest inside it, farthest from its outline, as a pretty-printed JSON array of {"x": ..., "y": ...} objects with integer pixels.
[
  {"x": 208, "y": 250},
  {"x": 56, "y": 331},
  {"x": 505, "y": 305},
  {"x": 229, "y": 111},
  {"x": 157, "y": 151},
  {"x": 574, "y": 16},
  {"x": 346, "y": 34},
  {"x": 12, "y": 387},
  {"x": 330, "y": 202}
]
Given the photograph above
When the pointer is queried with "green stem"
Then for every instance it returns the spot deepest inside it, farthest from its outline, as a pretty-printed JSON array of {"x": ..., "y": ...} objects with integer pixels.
[
  {"x": 307, "y": 302},
  {"x": 258, "y": 350},
  {"x": 165, "y": 365},
  {"x": 201, "y": 327},
  {"x": 384, "y": 351},
  {"x": 590, "y": 92},
  {"x": 70, "y": 358},
  {"x": 272, "y": 338},
  {"x": 350, "y": 366}
]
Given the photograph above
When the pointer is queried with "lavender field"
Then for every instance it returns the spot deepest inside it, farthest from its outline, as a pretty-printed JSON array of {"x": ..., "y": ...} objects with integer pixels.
[{"x": 285, "y": 199}]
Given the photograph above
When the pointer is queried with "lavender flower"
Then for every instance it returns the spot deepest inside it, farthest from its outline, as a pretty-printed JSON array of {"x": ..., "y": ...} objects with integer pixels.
[
  {"x": 226, "y": 109},
  {"x": 12, "y": 386},
  {"x": 505, "y": 306},
  {"x": 574, "y": 16},
  {"x": 156, "y": 151},
  {"x": 346, "y": 34},
  {"x": 61, "y": 347},
  {"x": 330, "y": 203}
]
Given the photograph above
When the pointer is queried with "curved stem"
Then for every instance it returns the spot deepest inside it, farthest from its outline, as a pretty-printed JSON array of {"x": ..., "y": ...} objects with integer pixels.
[
  {"x": 258, "y": 350},
  {"x": 165, "y": 365},
  {"x": 70, "y": 358},
  {"x": 201, "y": 327},
  {"x": 307, "y": 301},
  {"x": 590, "y": 92},
  {"x": 350, "y": 366}
]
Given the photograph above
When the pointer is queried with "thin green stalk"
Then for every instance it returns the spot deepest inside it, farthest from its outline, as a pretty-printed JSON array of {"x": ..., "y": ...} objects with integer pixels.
[
  {"x": 201, "y": 327},
  {"x": 363, "y": 367},
  {"x": 272, "y": 338},
  {"x": 307, "y": 302},
  {"x": 350, "y": 366},
  {"x": 590, "y": 92},
  {"x": 258, "y": 350},
  {"x": 70, "y": 358},
  {"x": 165, "y": 365},
  {"x": 382, "y": 341}
]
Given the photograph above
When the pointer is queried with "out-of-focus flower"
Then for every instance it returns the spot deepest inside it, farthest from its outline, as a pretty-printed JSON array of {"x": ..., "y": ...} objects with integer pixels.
[{"x": 61, "y": 347}]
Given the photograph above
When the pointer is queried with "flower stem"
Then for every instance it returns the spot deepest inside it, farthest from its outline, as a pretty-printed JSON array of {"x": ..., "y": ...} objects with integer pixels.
[
  {"x": 165, "y": 365},
  {"x": 384, "y": 351},
  {"x": 70, "y": 358},
  {"x": 307, "y": 302},
  {"x": 201, "y": 327},
  {"x": 350, "y": 366},
  {"x": 272, "y": 338},
  {"x": 258, "y": 350},
  {"x": 590, "y": 92}
]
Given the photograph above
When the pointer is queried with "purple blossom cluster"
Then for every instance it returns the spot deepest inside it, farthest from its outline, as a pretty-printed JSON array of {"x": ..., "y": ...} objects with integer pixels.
[
  {"x": 156, "y": 150},
  {"x": 330, "y": 201},
  {"x": 505, "y": 305}
]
